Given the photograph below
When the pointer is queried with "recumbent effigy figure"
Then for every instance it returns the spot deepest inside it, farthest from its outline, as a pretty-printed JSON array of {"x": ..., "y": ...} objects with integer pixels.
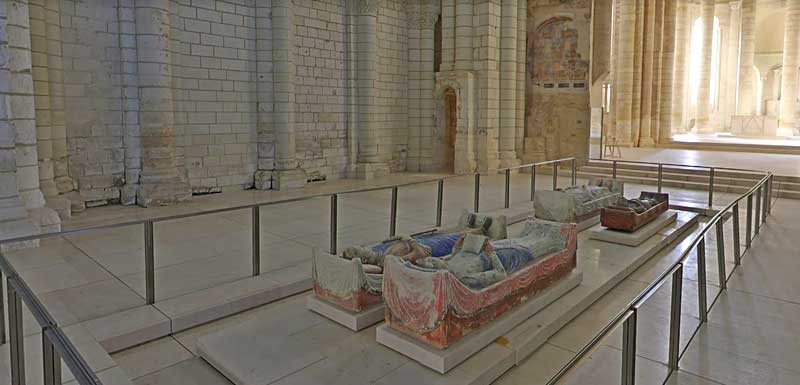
[
  {"x": 631, "y": 214},
  {"x": 577, "y": 203},
  {"x": 478, "y": 261},
  {"x": 353, "y": 281}
]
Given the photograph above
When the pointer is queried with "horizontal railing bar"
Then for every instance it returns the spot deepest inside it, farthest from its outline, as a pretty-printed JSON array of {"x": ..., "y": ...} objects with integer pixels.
[
  {"x": 79, "y": 368},
  {"x": 621, "y": 161},
  {"x": 244, "y": 207}
]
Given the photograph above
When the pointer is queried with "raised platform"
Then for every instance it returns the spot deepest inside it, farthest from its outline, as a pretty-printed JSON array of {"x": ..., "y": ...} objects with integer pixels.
[
  {"x": 443, "y": 360},
  {"x": 637, "y": 237},
  {"x": 295, "y": 345},
  {"x": 348, "y": 319},
  {"x": 587, "y": 223}
]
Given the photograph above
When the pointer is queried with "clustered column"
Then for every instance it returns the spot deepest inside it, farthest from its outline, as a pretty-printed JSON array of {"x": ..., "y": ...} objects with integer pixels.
[
  {"x": 682, "y": 29},
  {"x": 791, "y": 60},
  {"x": 704, "y": 88},
  {"x": 162, "y": 181},
  {"x": 643, "y": 71},
  {"x": 508, "y": 84},
  {"x": 746, "y": 105}
]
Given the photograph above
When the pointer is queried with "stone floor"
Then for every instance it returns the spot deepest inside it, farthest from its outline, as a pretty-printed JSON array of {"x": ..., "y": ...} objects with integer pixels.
[
  {"x": 779, "y": 164},
  {"x": 172, "y": 360},
  {"x": 94, "y": 274}
]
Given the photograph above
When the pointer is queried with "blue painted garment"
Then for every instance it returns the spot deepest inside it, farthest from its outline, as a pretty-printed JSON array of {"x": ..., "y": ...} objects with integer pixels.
[{"x": 440, "y": 244}]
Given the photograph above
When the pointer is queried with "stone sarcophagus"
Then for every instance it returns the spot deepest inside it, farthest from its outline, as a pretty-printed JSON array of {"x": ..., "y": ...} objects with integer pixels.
[
  {"x": 353, "y": 281},
  {"x": 631, "y": 214},
  {"x": 577, "y": 203},
  {"x": 439, "y": 301}
]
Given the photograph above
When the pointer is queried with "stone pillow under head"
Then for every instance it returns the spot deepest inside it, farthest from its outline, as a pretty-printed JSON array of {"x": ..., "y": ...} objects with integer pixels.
[{"x": 466, "y": 220}]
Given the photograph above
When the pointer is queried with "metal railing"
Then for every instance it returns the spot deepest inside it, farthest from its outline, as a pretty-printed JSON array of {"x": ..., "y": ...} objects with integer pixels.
[
  {"x": 712, "y": 171},
  {"x": 627, "y": 319},
  {"x": 57, "y": 346}
]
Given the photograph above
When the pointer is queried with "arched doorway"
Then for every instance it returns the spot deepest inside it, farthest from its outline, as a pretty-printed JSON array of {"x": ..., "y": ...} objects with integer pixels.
[{"x": 450, "y": 124}]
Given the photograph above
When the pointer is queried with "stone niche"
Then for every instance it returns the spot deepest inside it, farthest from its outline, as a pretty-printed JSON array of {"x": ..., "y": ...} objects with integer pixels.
[
  {"x": 455, "y": 87},
  {"x": 557, "y": 110}
]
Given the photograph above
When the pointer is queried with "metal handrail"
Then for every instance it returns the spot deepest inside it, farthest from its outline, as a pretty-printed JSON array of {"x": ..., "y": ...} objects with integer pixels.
[{"x": 624, "y": 316}]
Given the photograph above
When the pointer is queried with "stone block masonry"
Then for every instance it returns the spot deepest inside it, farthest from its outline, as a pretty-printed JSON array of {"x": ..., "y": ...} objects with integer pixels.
[{"x": 148, "y": 101}]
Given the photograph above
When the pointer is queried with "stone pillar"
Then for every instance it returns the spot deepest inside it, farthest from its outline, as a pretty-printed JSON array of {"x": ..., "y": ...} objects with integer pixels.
[
  {"x": 486, "y": 60},
  {"x": 723, "y": 13},
  {"x": 732, "y": 73},
  {"x": 704, "y": 88},
  {"x": 162, "y": 180},
  {"x": 463, "y": 38},
  {"x": 746, "y": 105},
  {"x": 667, "y": 71},
  {"x": 41, "y": 92},
  {"x": 791, "y": 60},
  {"x": 14, "y": 221},
  {"x": 624, "y": 70},
  {"x": 286, "y": 173},
  {"x": 638, "y": 58},
  {"x": 130, "y": 101},
  {"x": 369, "y": 163},
  {"x": 448, "y": 35},
  {"x": 508, "y": 84},
  {"x": 522, "y": 30},
  {"x": 682, "y": 35},
  {"x": 649, "y": 56}
]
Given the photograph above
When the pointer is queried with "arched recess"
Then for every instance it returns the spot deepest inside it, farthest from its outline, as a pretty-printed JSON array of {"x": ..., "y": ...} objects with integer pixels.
[{"x": 454, "y": 136}]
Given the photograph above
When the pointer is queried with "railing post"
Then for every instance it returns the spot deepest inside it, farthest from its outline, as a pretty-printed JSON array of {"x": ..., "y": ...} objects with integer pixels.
[
  {"x": 16, "y": 336},
  {"x": 765, "y": 206},
  {"x": 711, "y": 187},
  {"x": 723, "y": 282},
  {"x": 555, "y": 175},
  {"x": 737, "y": 254},
  {"x": 256, "y": 225},
  {"x": 3, "y": 339},
  {"x": 629, "y": 350},
  {"x": 613, "y": 169},
  {"x": 574, "y": 171},
  {"x": 769, "y": 206},
  {"x": 660, "y": 176},
  {"x": 149, "y": 263},
  {"x": 702, "y": 283},
  {"x": 757, "y": 216},
  {"x": 51, "y": 368},
  {"x": 675, "y": 318},
  {"x": 334, "y": 222},
  {"x": 533, "y": 181},
  {"x": 439, "y": 202},
  {"x": 393, "y": 213},
  {"x": 477, "y": 192},
  {"x": 748, "y": 232},
  {"x": 508, "y": 188}
]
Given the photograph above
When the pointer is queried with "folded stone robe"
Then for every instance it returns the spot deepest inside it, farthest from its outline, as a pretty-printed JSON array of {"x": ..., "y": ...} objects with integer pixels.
[{"x": 440, "y": 305}]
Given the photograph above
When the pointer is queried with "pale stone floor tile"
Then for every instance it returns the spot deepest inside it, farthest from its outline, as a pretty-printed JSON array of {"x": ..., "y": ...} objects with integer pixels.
[
  {"x": 538, "y": 368},
  {"x": 683, "y": 378},
  {"x": 151, "y": 357},
  {"x": 74, "y": 271},
  {"x": 189, "y": 372},
  {"x": 81, "y": 303}
]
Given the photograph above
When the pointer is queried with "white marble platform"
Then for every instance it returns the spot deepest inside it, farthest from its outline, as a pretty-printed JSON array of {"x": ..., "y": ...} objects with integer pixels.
[
  {"x": 351, "y": 320},
  {"x": 637, "y": 237},
  {"x": 292, "y": 345},
  {"x": 587, "y": 223},
  {"x": 443, "y": 360}
]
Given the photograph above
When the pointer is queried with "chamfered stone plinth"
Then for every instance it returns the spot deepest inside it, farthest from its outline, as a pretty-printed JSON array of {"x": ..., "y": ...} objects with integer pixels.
[
  {"x": 163, "y": 191},
  {"x": 369, "y": 170}
]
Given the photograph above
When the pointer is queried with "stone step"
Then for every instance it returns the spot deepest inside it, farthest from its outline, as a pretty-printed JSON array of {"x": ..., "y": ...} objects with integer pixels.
[
  {"x": 693, "y": 171},
  {"x": 747, "y": 182}
]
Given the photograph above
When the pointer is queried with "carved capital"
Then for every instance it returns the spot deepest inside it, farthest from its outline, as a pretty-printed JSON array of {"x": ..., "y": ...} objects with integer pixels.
[
  {"x": 366, "y": 7},
  {"x": 422, "y": 15}
]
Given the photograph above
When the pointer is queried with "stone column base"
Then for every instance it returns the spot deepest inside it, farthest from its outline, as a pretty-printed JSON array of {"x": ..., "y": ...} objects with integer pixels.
[
  {"x": 647, "y": 142},
  {"x": 61, "y": 205},
  {"x": 163, "y": 193},
  {"x": 506, "y": 163},
  {"x": 368, "y": 171},
  {"x": 46, "y": 219},
  {"x": 280, "y": 179}
]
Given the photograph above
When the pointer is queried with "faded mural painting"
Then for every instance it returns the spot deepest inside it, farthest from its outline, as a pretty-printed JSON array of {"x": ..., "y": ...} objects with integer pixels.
[{"x": 557, "y": 112}]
